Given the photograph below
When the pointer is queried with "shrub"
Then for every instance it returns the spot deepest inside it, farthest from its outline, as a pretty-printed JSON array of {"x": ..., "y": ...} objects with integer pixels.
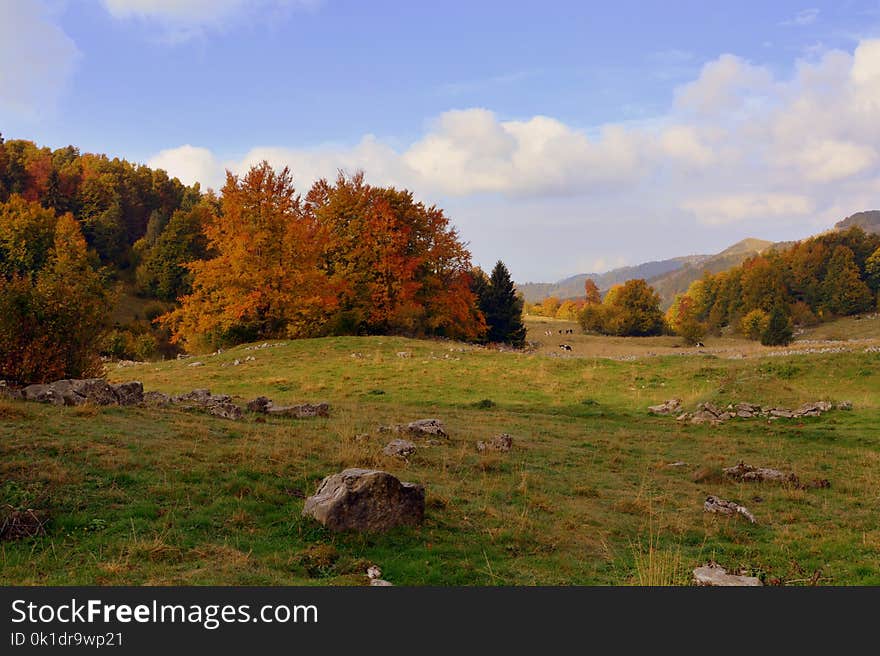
[{"x": 754, "y": 324}]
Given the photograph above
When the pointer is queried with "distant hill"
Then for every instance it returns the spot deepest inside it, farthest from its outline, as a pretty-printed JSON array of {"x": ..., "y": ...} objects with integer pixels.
[
  {"x": 674, "y": 276},
  {"x": 868, "y": 221},
  {"x": 573, "y": 287},
  {"x": 677, "y": 282}
]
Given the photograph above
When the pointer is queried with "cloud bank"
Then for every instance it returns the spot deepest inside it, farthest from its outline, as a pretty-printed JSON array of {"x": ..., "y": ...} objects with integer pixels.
[{"x": 738, "y": 145}]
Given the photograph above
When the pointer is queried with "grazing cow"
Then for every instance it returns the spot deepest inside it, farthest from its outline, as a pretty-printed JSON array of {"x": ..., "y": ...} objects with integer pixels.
[
  {"x": 701, "y": 345},
  {"x": 565, "y": 347}
]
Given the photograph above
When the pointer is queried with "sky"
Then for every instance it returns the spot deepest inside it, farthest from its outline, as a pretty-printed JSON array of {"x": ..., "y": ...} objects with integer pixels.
[{"x": 561, "y": 137}]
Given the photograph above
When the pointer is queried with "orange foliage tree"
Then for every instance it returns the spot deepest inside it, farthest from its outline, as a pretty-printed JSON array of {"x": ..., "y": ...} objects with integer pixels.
[
  {"x": 397, "y": 266},
  {"x": 265, "y": 280}
]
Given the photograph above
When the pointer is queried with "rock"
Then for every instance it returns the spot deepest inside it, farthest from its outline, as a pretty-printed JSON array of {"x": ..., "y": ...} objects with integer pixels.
[
  {"x": 744, "y": 472},
  {"x": 677, "y": 463},
  {"x": 812, "y": 409},
  {"x": 715, "y": 575},
  {"x": 197, "y": 396},
  {"x": 502, "y": 442},
  {"x": 72, "y": 392},
  {"x": 156, "y": 399},
  {"x": 709, "y": 408},
  {"x": 366, "y": 500},
  {"x": 196, "y": 364},
  {"x": 844, "y": 405},
  {"x": 433, "y": 427},
  {"x": 399, "y": 448},
  {"x": 404, "y": 354},
  {"x": 380, "y": 582},
  {"x": 704, "y": 417},
  {"x": 302, "y": 411},
  {"x": 666, "y": 408},
  {"x": 131, "y": 393},
  {"x": 259, "y": 404},
  {"x": 373, "y": 572},
  {"x": 41, "y": 394},
  {"x": 225, "y": 410},
  {"x": 719, "y": 505},
  {"x": 781, "y": 412}
]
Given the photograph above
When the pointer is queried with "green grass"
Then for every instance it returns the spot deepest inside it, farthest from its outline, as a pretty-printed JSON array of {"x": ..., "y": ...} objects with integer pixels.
[{"x": 146, "y": 496}]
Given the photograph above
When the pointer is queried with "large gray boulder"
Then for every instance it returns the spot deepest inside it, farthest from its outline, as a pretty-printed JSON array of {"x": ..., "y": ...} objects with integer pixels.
[
  {"x": 366, "y": 500},
  {"x": 72, "y": 392}
]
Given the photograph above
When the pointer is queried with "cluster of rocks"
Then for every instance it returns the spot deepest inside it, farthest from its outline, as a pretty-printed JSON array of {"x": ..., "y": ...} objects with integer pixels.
[
  {"x": 712, "y": 414},
  {"x": 715, "y": 504},
  {"x": 264, "y": 405},
  {"x": 95, "y": 391},
  {"x": 264, "y": 345},
  {"x": 404, "y": 354},
  {"x": 749, "y": 474},
  {"x": 238, "y": 362},
  {"x": 366, "y": 500},
  {"x": 808, "y": 351},
  {"x": 218, "y": 405}
]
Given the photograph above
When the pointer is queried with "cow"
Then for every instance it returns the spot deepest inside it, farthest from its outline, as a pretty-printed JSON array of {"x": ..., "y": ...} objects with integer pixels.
[{"x": 565, "y": 347}]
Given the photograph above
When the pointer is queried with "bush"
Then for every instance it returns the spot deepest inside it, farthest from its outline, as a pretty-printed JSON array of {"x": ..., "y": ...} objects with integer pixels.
[{"x": 754, "y": 324}]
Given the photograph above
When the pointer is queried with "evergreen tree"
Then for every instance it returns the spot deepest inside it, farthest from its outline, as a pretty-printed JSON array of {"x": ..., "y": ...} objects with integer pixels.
[
  {"x": 502, "y": 308},
  {"x": 778, "y": 331}
]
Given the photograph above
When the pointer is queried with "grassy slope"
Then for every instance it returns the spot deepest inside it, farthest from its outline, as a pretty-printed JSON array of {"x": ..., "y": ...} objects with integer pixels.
[{"x": 165, "y": 496}]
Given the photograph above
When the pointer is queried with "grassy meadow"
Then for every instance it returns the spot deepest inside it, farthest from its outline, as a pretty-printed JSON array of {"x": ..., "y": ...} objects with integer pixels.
[{"x": 586, "y": 496}]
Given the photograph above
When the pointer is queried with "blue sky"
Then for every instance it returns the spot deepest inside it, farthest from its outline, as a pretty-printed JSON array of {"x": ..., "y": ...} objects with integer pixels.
[{"x": 560, "y": 136}]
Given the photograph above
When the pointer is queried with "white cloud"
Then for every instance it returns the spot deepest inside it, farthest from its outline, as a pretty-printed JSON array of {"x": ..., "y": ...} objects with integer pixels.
[
  {"x": 725, "y": 85},
  {"x": 37, "y": 59},
  {"x": 190, "y": 164},
  {"x": 730, "y": 208},
  {"x": 683, "y": 144},
  {"x": 739, "y": 149},
  {"x": 829, "y": 160}
]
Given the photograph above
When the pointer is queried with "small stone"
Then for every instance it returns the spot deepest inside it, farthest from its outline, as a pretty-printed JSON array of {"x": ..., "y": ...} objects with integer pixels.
[
  {"x": 399, "y": 448},
  {"x": 714, "y": 575},
  {"x": 502, "y": 442}
]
